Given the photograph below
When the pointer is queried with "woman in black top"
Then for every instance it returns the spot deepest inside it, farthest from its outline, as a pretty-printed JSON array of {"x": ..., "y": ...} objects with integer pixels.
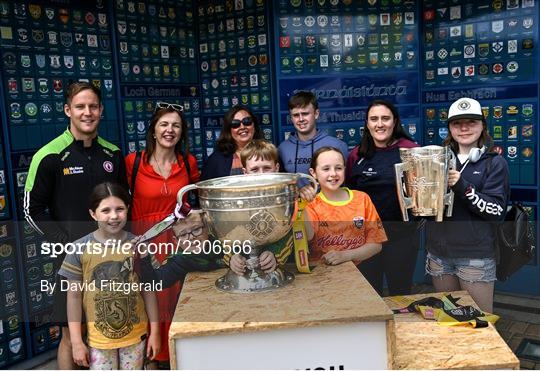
[
  {"x": 240, "y": 126},
  {"x": 370, "y": 168}
]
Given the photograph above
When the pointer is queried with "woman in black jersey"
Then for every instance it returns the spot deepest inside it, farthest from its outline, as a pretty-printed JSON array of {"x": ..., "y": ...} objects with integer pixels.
[{"x": 370, "y": 168}]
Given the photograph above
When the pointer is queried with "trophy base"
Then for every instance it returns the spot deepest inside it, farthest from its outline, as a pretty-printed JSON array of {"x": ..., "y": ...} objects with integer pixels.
[
  {"x": 436, "y": 214},
  {"x": 231, "y": 282}
]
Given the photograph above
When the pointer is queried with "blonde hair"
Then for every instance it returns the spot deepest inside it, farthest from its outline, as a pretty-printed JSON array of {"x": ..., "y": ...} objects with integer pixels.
[{"x": 259, "y": 149}]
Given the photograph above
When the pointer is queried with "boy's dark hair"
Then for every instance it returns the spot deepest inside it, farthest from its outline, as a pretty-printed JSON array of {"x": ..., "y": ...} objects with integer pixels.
[
  {"x": 107, "y": 189},
  {"x": 302, "y": 99},
  {"x": 76, "y": 87}
]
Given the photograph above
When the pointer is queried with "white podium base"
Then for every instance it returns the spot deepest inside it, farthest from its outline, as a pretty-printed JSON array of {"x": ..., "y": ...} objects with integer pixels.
[{"x": 358, "y": 345}]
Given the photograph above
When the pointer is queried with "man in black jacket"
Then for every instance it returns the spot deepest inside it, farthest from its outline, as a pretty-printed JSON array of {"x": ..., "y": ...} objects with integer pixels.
[{"x": 61, "y": 177}]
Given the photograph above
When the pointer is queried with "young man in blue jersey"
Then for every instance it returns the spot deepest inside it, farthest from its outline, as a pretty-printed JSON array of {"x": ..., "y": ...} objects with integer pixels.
[{"x": 295, "y": 153}]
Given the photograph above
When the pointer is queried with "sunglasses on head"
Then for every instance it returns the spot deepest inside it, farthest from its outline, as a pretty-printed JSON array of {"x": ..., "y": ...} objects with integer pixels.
[
  {"x": 165, "y": 105},
  {"x": 246, "y": 121}
]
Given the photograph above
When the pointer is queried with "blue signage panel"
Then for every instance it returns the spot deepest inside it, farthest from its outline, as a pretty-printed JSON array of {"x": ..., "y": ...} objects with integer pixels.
[
  {"x": 358, "y": 91},
  {"x": 480, "y": 93}
]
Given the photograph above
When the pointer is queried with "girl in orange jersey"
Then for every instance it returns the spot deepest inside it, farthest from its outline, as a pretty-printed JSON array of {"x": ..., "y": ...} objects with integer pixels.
[{"x": 342, "y": 225}]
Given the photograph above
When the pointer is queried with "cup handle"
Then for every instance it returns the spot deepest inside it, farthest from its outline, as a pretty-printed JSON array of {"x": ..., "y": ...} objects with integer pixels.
[
  {"x": 311, "y": 180},
  {"x": 402, "y": 199},
  {"x": 449, "y": 201},
  {"x": 442, "y": 196},
  {"x": 449, "y": 197},
  {"x": 183, "y": 191}
]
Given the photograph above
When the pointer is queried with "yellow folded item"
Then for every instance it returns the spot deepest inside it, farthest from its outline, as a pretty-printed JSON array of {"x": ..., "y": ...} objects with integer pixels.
[
  {"x": 301, "y": 248},
  {"x": 447, "y": 312},
  {"x": 464, "y": 316}
]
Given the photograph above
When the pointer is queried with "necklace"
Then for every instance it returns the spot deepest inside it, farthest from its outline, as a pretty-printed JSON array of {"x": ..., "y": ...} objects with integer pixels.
[{"x": 165, "y": 191}]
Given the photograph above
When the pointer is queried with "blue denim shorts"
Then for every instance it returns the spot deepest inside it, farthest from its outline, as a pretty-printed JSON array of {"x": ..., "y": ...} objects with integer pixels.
[{"x": 469, "y": 270}]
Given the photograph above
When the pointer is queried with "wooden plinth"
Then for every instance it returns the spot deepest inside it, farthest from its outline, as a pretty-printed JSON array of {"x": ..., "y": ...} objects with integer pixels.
[
  {"x": 423, "y": 344},
  {"x": 330, "y": 296}
]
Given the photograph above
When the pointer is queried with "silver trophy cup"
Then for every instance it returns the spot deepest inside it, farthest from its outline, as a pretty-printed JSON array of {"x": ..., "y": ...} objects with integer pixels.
[
  {"x": 252, "y": 211},
  {"x": 422, "y": 181}
]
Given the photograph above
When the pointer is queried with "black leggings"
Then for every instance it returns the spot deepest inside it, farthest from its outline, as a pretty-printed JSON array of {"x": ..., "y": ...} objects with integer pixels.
[
  {"x": 399, "y": 261},
  {"x": 372, "y": 271},
  {"x": 396, "y": 262}
]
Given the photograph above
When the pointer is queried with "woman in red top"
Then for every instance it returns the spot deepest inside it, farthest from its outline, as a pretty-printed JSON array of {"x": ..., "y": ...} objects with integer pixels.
[{"x": 161, "y": 173}]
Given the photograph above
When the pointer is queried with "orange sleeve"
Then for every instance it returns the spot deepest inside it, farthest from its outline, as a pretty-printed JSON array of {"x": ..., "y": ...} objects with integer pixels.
[{"x": 374, "y": 229}]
